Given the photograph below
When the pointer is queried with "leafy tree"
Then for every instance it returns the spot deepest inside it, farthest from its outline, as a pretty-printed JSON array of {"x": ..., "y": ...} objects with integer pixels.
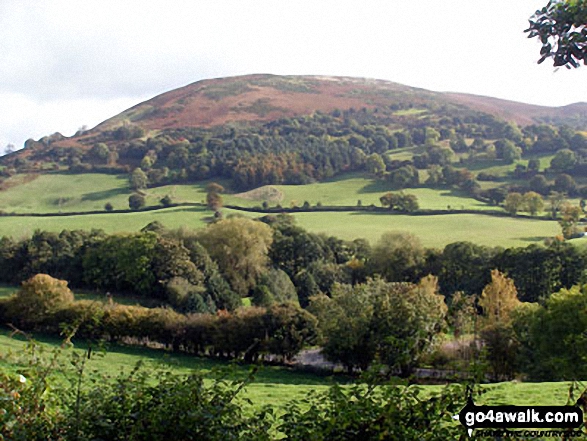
[
  {"x": 100, "y": 152},
  {"x": 122, "y": 263},
  {"x": 344, "y": 321},
  {"x": 374, "y": 164},
  {"x": 552, "y": 336},
  {"x": 564, "y": 159},
  {"x": 279, "y": 287},
  {"x": 462, "y": 313},
  {"x": 406, "y": 321},
  {"x": 556, "y": 199},
  {"x": 560, "y": 26},
  {"x": 464, "y": 266},
  {"x": 400, "y": 202},
  {"x": 498, "y": 299},
  {"x": 136, "y": 201},
  {"x": 394, "y": 322},
  {"x": 166, "y": 201},
  {"x": 534, "y": 165},
  {"x": 38, "y": 297},
  {"x": 533, "y": 203},
  {"x": 240, "y": 246},
  {"x": 138, "y": 179},
  {"x": 108, "y": 206},
  {"x": 539, "y": 184},
  {"x": 508, "y": 151},
  {"x": 565, "y": 184},
  {"x": 513, "y": 203},
  {"x": 397, "y": 257},
  {"x": 570, "y": 216}
]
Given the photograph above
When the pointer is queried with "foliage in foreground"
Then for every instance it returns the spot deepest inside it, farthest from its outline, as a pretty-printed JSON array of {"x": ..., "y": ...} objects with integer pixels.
[{"x": 155, "y": 405}]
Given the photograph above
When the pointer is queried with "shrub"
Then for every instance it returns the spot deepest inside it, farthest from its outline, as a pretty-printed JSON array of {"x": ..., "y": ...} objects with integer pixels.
[
  {"x": 38, "y": 298},
  {"x": 136, "y": 201}
]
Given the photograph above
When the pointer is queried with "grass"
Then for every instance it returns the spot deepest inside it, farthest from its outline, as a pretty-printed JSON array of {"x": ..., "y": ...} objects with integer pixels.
[
  {"x": 7, "y": 290},
  {"x": 274, "y": 386},
  {"x": 349, "y": 189},
  {"x": 433, "y": 231},
  {"x": 53, "y": 193},
  {"x": 192, "y": 217}
]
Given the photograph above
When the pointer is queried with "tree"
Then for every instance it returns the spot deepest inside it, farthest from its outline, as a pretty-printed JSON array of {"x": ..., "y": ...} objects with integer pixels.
[
  {"x": 406, "y": 319},
  {"x": 557, "y": 200},
  {"x": 9, "y": 149},
  {"x": 513, "y": 203},
  {"x": 166, "y": 201},
  {"x": 561, "y": 28},
  {"x": 508, "y": 151},
  {"x": 565, "y": 183},
  {"x": 397, "y": 257},
  {"x": 539, "y": 184},
  {"x": 136, "y": 201},
  {"x": 394, "y": 323},
  {"x": 374, "y": 164},
  {"x": 570, "y": 216},
  {"x": 213, "y": 198},
  {"x": 344, "y": 320},
  {"x": 100, "y": 152},
  {"x": 533, "y": 203},
  {"x": 498, "y": 301},
  {"x": 108, "y": 206},
  {"x": 138, "y": 179},
  {"x": 38, "y": 297},
  {"x": 552, "y": 336},
  {"x": 240, "y": 246},
  {"x": 400, "y": 202},
  {"x": 564, "y": 160}
]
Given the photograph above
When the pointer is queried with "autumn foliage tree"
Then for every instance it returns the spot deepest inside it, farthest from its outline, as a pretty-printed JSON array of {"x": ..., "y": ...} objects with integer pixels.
[{"x": 498, "y": 301}]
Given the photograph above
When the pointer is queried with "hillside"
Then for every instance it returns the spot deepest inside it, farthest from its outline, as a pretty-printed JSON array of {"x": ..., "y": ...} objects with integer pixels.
[{"x": 255, "y": 99}]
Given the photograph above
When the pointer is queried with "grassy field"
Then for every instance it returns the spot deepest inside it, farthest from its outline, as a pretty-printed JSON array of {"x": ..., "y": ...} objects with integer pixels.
[
  {"x": 53, "y": 193},
  {"x": 350, "y": 189},
  {"x": 433, "y": 231},
  {"x": 192, "y": 217},
  {"x": 59, "y": 192},
  {"x": 274, "y": 386}
]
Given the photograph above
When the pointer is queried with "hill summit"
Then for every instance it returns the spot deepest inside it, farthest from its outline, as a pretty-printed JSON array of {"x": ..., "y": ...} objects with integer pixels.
[{"x": 261, "y": 98}]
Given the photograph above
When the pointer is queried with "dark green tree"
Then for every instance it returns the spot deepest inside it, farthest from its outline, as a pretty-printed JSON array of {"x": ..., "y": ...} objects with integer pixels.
[{"x": 560, "y": 27}]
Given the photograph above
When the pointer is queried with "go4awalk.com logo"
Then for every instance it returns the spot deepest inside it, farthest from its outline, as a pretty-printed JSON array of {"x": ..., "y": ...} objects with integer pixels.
[{"x": 564, "y": 418}]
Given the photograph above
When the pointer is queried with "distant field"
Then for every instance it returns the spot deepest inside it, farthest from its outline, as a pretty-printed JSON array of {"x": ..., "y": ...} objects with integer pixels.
[
  {"x": 348, "y": 190},
  {"x": 275, "y": 386},
  {"x": 433, "y": 231},
  {"x": 192, "y": 217},
  {"x": 52, "y": 193}
]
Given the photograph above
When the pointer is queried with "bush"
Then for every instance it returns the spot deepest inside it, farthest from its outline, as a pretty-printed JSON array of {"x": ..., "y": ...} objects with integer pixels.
[
  {"x": 37, "y": 299},
  {"x": 368, "y": 413},
  {"x": 136, "y": 201}
]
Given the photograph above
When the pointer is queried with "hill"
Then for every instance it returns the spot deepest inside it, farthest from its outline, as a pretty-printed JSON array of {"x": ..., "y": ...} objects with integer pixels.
[{"x": 257, "y": 99}]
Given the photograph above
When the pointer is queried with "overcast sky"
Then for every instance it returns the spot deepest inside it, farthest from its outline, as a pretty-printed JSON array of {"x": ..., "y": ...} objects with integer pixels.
[{"x": 69, "y": 63}]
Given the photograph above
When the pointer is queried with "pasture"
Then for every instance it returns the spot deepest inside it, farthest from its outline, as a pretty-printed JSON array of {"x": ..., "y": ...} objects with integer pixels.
[
  {"x": 54, "y": 193},
  {"x": 272, "y": 385},
  {"x": 433, "y": 231}
]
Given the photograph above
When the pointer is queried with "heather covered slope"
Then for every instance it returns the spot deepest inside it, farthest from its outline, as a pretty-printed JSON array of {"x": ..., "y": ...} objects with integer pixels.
[{"x": 260, "y": 98}]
